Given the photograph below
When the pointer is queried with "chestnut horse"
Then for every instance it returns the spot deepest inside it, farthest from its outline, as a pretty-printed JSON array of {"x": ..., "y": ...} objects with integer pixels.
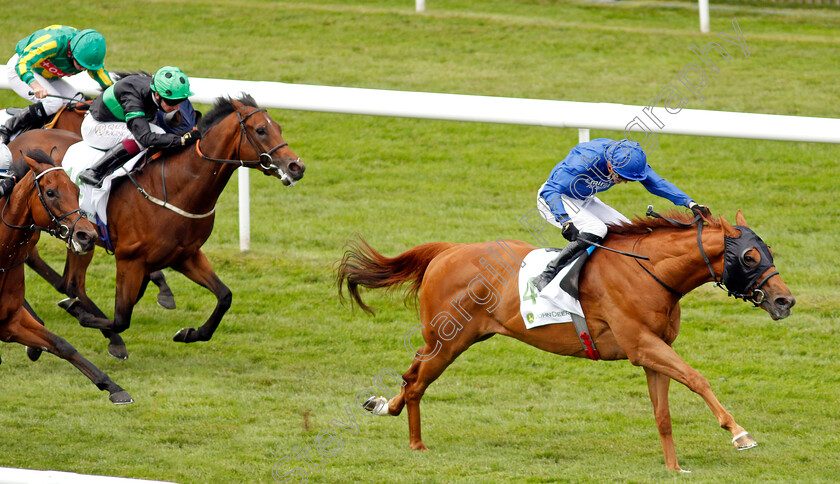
[
  {"x": 161, "y": 215},
  {"x": 631, "y": 313},
  {"x": 45, "y": 199}
]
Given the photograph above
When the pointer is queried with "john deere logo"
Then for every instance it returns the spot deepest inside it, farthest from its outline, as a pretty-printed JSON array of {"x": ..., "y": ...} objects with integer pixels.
[{"x": 530, "y": 317}]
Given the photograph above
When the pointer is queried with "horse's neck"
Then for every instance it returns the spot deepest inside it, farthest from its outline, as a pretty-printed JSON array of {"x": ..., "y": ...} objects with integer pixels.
[
  {"x": 681, "y": 265},
  {"x": 15, "y": 242},
  {"x": 193, "y": 183}
]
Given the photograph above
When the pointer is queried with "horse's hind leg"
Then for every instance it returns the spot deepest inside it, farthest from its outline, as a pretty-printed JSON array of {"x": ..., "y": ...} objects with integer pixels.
[
  {"x": 165, "y": 297},
  {"x": 22, "y": 328},
  {"x": 419, "y": 376},
  {"x": 197, "y": 268},
  {"x": 658, "y": 385}
]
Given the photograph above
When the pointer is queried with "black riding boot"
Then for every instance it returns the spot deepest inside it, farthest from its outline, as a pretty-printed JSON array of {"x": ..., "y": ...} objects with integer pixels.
[
  {"x": 111, "y": 160},
  {"x": 568, "y": 252},
  {"x": 33, "y": 116}
]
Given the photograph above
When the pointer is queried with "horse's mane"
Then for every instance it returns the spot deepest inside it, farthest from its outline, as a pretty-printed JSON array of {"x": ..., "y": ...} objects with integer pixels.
[
  {"x": 642, "y": 225},
  {"x": 221, "y": 109},
  {"x": 121, "y": 74}
]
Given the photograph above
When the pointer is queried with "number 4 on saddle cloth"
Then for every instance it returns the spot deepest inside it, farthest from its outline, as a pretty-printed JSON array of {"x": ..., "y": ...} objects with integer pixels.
[
  {"x": 558, "y": 302},
  {"x": 93, "y": 201}
]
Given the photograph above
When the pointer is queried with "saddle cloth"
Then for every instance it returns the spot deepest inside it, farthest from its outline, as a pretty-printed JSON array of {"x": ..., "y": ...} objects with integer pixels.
[
  {"x": 552, "y": 305},
  {"x": 93, "y": 201}
]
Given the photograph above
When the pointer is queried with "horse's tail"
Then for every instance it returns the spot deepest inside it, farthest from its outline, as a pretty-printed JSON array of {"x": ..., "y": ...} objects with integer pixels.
[{"x": 362, "y": 265}]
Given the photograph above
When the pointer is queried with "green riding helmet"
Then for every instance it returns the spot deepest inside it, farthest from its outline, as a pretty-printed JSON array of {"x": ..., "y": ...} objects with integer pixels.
[
  {"x": 171, "y": 83},
  {"x": 88, "y": 48}
]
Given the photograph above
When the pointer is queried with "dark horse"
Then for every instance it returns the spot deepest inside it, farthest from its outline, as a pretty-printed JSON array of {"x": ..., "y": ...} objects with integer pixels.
[
  {"x": 631, "y": 314},
  {"x": 45, "y": 199},
  {"x": 162, "y": 215}
]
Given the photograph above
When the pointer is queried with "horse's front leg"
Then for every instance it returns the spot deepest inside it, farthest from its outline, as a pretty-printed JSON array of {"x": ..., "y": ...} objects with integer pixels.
[
  {"x": 651, "y": 352},
  {"x": 22, "y": 328},
  {"x": 37, "y": 264},
  {"x": 165, "y": 297},
  {"x": 82, "y": 307},
  {"x": 198, "y": 269}
]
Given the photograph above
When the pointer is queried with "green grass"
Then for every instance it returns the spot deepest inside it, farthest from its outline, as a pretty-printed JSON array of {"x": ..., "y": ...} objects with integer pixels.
[{"x": 288, "y": 357}]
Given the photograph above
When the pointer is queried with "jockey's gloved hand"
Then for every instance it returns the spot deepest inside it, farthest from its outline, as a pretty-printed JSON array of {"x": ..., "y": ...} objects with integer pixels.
[
  {"x": 569, "y": 231},
  {"x": 701, "y": 210},
  {"x": 190, "y": 137}
]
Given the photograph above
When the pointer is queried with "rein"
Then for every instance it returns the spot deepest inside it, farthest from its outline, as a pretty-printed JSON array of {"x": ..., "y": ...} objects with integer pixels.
[
  {"x": 62, "y": 231},
  {"x": 163, "y": 203}
]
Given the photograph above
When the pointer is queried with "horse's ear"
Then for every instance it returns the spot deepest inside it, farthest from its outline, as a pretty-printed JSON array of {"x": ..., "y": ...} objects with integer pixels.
[
  {"x": 34, "y": 159},
  {"x": 729, "y": 230},
  {"x": 740, "y": 220}
]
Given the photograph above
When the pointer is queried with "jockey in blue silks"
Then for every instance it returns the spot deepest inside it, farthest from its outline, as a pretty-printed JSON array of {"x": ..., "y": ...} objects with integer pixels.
[{"x": 567, "y": 199}]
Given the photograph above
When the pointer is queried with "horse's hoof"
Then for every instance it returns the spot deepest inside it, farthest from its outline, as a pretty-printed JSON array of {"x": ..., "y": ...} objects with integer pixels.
[
  {"x": 166, "y": 302},
  {"x": 744, "y": 441},
  {"x": 376, "y": 405},
  {"x": 67, "y": 304},
  {"x": 33, "y": 353},
  {"x": 419, "y": 446},
  {"x": 185, "y": 335},
  {"x": 118, "y": 351},
  {"x": 120, "y": 398}
]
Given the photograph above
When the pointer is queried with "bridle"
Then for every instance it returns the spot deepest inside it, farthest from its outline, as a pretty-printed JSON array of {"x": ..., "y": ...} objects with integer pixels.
[
  {"x": 751, "y": 290},
  {"x": 60, "y": 230},
  {"x": 265, "y": 161}
]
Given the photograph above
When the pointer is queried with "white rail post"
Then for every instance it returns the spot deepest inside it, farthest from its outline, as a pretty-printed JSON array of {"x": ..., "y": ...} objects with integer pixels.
[
  {"x": 244, "y": 209},
  {"x": 421, "y": 5},
  {"x": 583, "y": 135},
  {"x": 703, "y": 6}
]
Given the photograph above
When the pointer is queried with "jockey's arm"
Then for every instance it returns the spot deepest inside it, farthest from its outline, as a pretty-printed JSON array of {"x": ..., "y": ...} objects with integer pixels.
[
  {"x": 659, "y": 186},
  {"x": 102, "y": 77},
  {"x": 144, "y": 135}
]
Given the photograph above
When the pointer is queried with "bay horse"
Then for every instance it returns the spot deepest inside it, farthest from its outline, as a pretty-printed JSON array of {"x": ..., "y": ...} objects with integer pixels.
[
  {"x": 69, "y": 118},
  {"x": 162, "y": 214},
  {"x": 631, "y": 313},
  {"x": 45, "y": 199}
]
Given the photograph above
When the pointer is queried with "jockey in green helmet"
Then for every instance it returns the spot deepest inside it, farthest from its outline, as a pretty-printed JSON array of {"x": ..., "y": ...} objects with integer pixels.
[
  {"x": 40, "y": 62},
  {"x": 119, "y": 120}
]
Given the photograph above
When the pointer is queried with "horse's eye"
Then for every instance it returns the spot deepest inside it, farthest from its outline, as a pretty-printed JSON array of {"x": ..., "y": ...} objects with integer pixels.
[
  {"x": 50, "y": 193},
  {"x": 261, "y": 131}
]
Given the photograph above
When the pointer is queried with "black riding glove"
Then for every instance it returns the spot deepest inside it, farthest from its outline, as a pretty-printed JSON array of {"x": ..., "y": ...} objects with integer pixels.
[
  {"x": 569, "y": 231},
  {"x": 6, "y": 186},
  {"x": 191, "y": 137}
]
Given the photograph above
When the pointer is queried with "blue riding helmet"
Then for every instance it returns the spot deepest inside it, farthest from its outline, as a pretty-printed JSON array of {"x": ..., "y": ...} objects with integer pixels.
[{"x": 627, "y": 159}]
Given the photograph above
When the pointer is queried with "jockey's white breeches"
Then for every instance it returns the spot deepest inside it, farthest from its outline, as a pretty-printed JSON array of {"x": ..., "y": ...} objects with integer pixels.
[
  {"x": 589, "y": 215},
  {"x": 56, "y": 86},
  {"x": 106, "y": 135}
]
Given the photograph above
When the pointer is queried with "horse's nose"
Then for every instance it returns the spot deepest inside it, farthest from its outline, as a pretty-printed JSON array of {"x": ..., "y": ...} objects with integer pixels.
[
  {"x": 783, "y": 302},
  {"x": 85, "y": 239},
  {"x": 296, "y": 169}
]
